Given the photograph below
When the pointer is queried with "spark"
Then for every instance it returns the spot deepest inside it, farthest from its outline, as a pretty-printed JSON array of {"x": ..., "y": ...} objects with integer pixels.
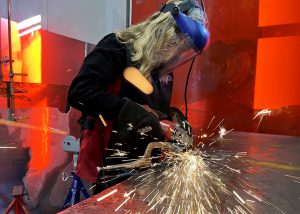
[
  {"x": 130, "y": 126},
  {"x": 223, "y": 132},
  {"x": 92, "y": 187},
  {"x": 122, "y": 204},
  {"x": 218, "y": 125},
  {"x": 204, "y": 136},
  {"x": 128, "y": 194},
  {"x": 210, "y": 122},
  {"x": 235, "y": 170},
  {"x": 240, "y": 154},
  {"x": 239, "y": 197},
  {"x": 291, "y": 176},
  {"x": 212, "y": 143},
  {"x": 107, "y": 195},
  {"x": 261, "y": 114},
  {"x": 119, "y": 153},
  {"x": 8, "y": 147}
]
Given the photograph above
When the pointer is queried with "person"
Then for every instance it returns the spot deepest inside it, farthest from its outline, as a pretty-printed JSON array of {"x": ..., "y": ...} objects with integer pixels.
[{"x": 168, "y": 38}]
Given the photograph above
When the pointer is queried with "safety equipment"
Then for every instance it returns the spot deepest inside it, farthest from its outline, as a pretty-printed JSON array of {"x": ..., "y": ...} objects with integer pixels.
[
  {"x": 133, "y": 117},
  {"x": 193, "y": 35},
  {"x": 196, "y": 32},
  {"x": 178, "y": 117},
  {"x": 175, "y": 134}
]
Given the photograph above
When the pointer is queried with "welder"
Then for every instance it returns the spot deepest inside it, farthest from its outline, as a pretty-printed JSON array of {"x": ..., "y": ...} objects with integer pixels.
[{"x": 130, "y": 119}]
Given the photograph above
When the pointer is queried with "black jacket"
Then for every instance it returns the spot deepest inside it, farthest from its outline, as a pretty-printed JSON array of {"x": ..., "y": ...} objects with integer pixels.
[{"x": 101, "y": 68}]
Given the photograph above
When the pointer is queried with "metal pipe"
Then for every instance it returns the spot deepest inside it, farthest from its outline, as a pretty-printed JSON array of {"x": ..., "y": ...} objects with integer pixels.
[
  {"x": 9, "y": 35},
  {"x": 128, "y": 12},
  {"x": 9, "y": 89}
]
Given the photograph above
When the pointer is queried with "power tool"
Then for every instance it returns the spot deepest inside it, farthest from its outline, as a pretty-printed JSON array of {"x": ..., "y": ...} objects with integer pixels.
[{"x": 175, "y": 133}]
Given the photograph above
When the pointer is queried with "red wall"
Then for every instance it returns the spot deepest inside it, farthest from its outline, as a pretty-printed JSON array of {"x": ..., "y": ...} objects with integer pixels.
[{"x": 229, "y": 80}]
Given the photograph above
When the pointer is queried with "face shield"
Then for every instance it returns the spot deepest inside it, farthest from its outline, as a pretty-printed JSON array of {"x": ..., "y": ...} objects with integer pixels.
[
  {"x": 172, "y": 58},
  {"x": 194, "y": 35}
]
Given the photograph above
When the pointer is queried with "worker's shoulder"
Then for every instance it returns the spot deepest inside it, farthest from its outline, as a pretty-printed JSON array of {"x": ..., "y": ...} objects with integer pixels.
[{"x": 110, "y": 41}]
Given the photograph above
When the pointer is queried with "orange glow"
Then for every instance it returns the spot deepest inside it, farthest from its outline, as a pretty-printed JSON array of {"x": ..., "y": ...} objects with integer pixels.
[
  {"x": 31, "y": 56},
  {"x": 277, "y": 72},
  {"x": 277, "y": 12},
  {"x": 39, "y": 140},
  {"x": 135, "y": 77}
]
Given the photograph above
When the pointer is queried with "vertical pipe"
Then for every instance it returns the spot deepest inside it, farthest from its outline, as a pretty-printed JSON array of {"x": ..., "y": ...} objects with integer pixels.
[
  {"x": 9, "y": 87},
  {"x": 128, "y": 12}
]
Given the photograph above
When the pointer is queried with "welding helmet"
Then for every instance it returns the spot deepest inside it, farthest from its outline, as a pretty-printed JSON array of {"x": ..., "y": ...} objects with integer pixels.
[{"x": 195, "y": 34}]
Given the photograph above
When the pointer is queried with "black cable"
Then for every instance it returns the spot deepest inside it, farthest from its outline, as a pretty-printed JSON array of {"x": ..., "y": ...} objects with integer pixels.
[{"x": 186, "y": 85}]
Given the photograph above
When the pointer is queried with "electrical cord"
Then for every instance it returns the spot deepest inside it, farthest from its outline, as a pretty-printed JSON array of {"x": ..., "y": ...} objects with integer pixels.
[{"x": 185, "y": 89}]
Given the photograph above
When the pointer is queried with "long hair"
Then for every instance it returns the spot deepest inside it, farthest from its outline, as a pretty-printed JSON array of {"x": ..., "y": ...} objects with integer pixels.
[{"x": 159, "y": 32}]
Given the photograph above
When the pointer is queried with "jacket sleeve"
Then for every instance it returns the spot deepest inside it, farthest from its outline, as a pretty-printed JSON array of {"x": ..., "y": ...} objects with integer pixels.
[{"x": 88, "y": 91}]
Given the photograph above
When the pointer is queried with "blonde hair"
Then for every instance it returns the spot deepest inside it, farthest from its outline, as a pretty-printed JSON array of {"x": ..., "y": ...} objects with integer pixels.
[{"x": 147, "y": 39}]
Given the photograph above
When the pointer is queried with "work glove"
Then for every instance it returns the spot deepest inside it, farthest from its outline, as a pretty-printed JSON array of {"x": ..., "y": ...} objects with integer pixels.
[
  {"x": 135, "y": 121},
  {"x": 178, "y": 117}
]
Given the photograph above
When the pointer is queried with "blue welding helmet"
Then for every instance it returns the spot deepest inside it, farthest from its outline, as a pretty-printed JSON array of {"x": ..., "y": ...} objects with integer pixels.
[{"x": 196, "y": 32}]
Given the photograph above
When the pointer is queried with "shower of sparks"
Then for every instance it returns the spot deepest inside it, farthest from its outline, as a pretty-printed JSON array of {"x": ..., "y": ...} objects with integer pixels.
[
  {"x": 107, "y": 195},
  {"x": 188, "y": 184},
  {"x": 195, "y": 181},
  {"x": 261, "y": 114}
]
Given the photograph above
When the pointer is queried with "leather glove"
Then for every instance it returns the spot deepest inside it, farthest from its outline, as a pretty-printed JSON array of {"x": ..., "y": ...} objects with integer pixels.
[
  {"x": 135, "y": 119},
  {"x": 177, "y": 116},
  {"x": 136, "y": 128}
]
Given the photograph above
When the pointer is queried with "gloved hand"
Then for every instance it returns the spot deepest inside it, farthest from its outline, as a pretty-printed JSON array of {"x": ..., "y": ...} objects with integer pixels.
[
  {"x": 177, "y": 116},
  {"x": 134, "y": 119},
  {"x": 135, "y": 128}
]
